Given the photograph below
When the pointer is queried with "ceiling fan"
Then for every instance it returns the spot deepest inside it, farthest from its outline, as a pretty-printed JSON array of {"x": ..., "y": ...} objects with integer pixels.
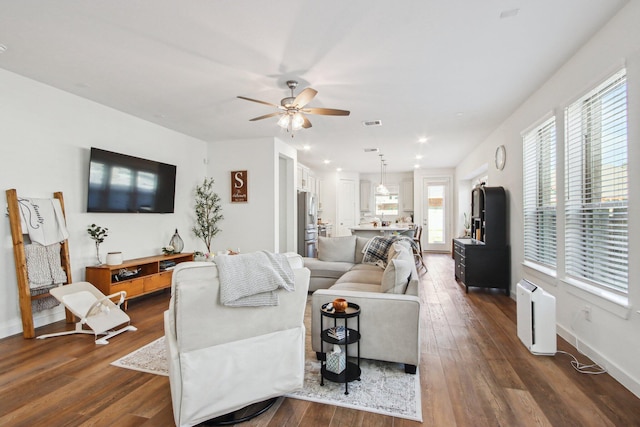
[{"x": 292, "y": 109}]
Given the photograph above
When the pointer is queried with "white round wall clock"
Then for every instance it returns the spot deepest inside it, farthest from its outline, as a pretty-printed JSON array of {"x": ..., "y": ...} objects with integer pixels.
[{"x": 501, "y": 157}]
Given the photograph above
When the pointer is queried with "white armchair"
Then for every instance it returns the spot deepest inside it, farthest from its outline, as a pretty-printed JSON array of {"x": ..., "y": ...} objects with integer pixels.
[{"x": 221, "y": 358}]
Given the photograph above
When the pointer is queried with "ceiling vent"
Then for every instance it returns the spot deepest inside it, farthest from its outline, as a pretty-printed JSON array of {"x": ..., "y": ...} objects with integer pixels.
[
  {"x": 372, "y": 123},
  {"x": 371, "y": 150}
]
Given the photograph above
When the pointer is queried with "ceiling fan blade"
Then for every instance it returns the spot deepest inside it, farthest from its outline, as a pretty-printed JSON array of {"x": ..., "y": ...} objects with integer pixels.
[
  {"x": 307, "y": 123},
  {"x": 326, "y": 111},
  {"x": 266, "y": 116},
  {"x": 259, "y": 102},
  {"x": 304, "y": 97}
]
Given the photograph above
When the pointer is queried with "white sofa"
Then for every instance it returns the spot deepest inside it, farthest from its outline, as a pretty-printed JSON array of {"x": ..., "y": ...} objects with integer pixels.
[
  {"x": 390, "y": 321},
  {"x": 224, "y": 358}
]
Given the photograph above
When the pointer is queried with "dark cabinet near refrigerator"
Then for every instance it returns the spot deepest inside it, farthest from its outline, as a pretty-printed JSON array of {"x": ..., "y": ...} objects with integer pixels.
[{"x": 484, "y": 261}]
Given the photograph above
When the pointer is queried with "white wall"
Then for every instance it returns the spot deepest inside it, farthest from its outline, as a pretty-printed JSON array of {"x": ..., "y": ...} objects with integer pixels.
[
  {"x": 45, "y": 138},
  {"x": 611, "y": 337},
  {"x": 253, "y": 225}
]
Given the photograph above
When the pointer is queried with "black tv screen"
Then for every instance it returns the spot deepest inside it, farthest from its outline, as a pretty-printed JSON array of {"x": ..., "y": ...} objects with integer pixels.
[{"x": 122, "y": 183}]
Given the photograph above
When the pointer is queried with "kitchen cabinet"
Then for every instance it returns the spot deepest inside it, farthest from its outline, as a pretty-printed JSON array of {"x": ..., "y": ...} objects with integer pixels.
[
  {"x": 406, "y": 188},
  {"x": 303, "y": 178},
  {"x": 365, "y": 196}
]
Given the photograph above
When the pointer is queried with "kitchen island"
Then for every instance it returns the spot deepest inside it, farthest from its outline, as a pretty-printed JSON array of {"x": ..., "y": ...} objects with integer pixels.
[{"x": 371, "y": 231}]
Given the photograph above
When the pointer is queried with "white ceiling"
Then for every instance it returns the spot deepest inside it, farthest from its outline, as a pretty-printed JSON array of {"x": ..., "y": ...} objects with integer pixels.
[{"x": 447, "y": 70}]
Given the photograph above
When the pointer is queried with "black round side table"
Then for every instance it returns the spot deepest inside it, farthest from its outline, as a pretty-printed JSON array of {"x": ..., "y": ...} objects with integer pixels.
[{"x": 352, "y": 370}]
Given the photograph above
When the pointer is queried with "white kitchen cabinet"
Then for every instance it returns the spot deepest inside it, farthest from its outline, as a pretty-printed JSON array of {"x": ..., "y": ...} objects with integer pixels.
[
  {"x": 302, "y": 182},
  {"x": 365, "y": 196},
  {"x": 406, "y": 202}
]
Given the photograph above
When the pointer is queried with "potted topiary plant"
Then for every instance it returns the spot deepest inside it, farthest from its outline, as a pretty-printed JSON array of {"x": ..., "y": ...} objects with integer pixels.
[{"x": 208, "y": 212}]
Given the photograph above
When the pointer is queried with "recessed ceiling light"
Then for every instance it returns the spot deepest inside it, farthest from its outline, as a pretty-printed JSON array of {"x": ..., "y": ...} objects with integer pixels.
[
  {"x": 338, "y": 169},
  {"x": 509, "y": 13},
  {"x": 306, "y": 147},
  {"x": 416, "y": 166},
  {"x": 326, "y": 162},
  {"x": 422, "y": 140},
  {"x": 419, "y": 157},
  {"x": 3, "y": 48}
]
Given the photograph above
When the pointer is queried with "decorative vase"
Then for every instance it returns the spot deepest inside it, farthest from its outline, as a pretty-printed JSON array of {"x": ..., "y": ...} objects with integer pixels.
[
  {"x": 114, "y": 258},
  {"x": 98, "y": 260},
  {"x": 340, "y": 305},
  {"x": 177, "y": 243}
]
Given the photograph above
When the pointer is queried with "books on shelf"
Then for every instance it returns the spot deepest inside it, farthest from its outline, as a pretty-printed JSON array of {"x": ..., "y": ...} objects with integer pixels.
[
  {"x": 338, "y": 332},
  {"x": 167, "y": 265}
]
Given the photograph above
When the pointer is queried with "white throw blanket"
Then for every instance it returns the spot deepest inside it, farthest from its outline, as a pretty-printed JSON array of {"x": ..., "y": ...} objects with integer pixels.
[
  {"x": 44, "y": 272},
  {"x": 43, "y": 220},
  {"x": 44, "y": 265},
  {"x": 252, "y": 279}
]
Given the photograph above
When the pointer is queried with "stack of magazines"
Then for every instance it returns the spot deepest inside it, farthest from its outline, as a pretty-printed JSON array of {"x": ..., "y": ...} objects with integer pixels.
[{"x": 338, "y": 332}]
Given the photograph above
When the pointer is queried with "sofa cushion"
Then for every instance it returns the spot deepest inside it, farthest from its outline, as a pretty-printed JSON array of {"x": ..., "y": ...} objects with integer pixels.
[
  {"x": 395, "y": 248},
  {"x": 362, "y": 276},
  {"x": 372, "y": 267},
  {"x": 361, "y": 242},
  {"x": 360, "y": 287},
  {"x": 341, "y": 249},
  {"x": 333, "y": 269},
  {"x": 396, "y": 276}
]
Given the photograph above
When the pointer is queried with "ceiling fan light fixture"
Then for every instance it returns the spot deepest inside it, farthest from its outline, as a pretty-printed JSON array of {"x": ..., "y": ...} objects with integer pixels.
[
  {"x": 297, "y": 120},
  {"x": 283, "y": 122}
]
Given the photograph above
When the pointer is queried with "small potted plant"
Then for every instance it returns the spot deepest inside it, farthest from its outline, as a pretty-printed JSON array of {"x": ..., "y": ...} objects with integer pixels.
[{"x": 98, "y": 234}]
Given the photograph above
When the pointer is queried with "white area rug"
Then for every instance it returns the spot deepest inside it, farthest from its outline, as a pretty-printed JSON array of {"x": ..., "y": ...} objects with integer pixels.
[
  {"x": 384, "y": 387},
  {"x": 151, "y": 358}
]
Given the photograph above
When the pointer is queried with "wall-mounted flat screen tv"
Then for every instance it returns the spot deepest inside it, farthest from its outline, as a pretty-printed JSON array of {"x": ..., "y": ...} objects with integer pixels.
[{"x": 122, "y": 183}]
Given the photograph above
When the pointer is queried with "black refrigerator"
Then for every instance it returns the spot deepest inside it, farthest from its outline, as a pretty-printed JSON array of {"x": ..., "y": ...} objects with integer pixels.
[{"x": 307, "y": 224}]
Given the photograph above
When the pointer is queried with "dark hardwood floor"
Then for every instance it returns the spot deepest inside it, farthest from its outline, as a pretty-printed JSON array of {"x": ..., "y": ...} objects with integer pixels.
[{"x": 474, "y": 372}]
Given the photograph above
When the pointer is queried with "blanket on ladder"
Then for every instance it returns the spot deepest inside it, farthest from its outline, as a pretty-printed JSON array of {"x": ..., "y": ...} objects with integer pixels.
[{"x": 252, "y": 279}]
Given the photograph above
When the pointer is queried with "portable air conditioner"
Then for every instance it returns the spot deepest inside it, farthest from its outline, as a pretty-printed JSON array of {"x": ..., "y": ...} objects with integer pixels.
[{"x": 536, "y": 318}]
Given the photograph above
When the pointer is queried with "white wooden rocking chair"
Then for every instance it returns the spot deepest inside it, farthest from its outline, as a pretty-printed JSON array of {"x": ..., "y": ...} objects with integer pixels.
[{"x": 94, "y": 309}]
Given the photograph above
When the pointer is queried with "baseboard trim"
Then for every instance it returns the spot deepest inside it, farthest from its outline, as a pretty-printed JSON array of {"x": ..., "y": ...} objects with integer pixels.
[
  {"x": 45, "y": 318},
  {"x": 632, "y": 384}
]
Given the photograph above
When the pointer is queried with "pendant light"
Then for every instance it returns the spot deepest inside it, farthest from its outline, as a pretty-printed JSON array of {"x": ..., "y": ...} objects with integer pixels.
[{"x": 381, "y": 189}]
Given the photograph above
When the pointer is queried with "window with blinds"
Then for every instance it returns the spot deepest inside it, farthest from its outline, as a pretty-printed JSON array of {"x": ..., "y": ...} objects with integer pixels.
[
  {"x": 539, "y": 192},
  {"x": 596, "y": 196}
]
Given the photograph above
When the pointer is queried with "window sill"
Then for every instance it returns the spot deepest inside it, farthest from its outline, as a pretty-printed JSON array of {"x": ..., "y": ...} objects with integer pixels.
[
  {"x": 607, "y": 300},
  {"x": 539, "y": 270}
]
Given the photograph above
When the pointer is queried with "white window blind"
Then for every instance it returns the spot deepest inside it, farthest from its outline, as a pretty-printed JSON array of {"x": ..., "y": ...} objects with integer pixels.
[
  {"x": 539, "y": 179},
  {"x": 596, "y": 196}
]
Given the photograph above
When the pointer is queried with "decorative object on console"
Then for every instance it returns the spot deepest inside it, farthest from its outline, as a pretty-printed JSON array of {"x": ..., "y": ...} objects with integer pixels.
[
  {"x": 177, "y": 243},
  {"x": 98, "y": 234},
  {"x": 208, "y": 213},
  {"x": 114, "y": 258},
  {"x": 168, "y": 250}
]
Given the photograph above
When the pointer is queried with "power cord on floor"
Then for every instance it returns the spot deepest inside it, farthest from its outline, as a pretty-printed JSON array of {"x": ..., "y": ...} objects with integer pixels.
[{"x": 593, "y": 369}]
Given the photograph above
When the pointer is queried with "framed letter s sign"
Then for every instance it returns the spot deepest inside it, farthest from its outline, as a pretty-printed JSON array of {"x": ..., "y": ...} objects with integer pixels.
[{"x": 239, "y": 191}]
